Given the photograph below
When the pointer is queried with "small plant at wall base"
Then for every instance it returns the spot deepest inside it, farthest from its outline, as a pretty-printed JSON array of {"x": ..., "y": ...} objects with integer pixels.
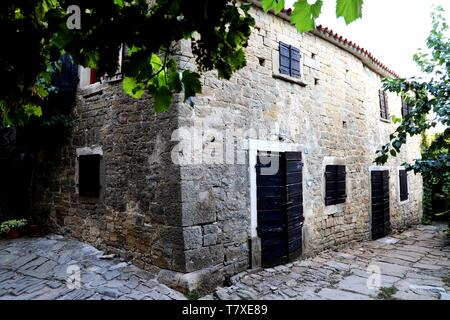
[
  {"x": 429, "y": 103},
  {"x": 387, "y": 293},
  {"x": 11, "y": 228},
  {"x": 193, "y": 295}
]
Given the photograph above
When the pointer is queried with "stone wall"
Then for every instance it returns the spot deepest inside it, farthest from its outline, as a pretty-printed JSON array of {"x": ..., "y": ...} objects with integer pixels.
[
  {"x": 138, "y": 214},
  {"x": 332, "y": 112}
]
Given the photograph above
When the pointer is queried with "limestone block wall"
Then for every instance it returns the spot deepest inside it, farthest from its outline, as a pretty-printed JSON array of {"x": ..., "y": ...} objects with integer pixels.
[
  {"x": 332, "y": 112},
  {"x": 138, "y": 214}
]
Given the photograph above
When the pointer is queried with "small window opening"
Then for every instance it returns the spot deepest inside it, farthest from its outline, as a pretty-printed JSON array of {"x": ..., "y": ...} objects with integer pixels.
[
  {"x": 262, "y": 61},
  {"x": 89, "y": 175}
]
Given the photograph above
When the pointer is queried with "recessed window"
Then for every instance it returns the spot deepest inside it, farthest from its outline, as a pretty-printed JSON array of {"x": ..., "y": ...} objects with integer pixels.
[
  {"x": 384, "y": 114},
  {"x": 335, "y": 184},
  {"x": 403, "y": 181},
  {"x": 89, "y": 175},
  {"x": 289, "y": 60},
  {"x": 90, "y": 76}
]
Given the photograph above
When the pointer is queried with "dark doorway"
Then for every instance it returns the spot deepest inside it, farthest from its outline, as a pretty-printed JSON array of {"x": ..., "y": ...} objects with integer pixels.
[
  {"x": 380, "y": 203},
  {"x": 279, "y": 206}
]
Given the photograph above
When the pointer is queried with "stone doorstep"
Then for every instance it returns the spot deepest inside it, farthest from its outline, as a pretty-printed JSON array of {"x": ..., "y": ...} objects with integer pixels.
[{"x": 203, "y": 281}]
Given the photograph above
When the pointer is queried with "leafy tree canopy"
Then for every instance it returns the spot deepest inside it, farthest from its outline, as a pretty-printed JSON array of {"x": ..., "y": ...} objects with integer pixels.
[
  {"x": 428, "y": 99},
  {"x": 36, "y": 33}
]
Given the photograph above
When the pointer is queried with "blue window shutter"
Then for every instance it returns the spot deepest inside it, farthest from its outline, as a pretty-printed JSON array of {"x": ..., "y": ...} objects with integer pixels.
[
  {"x": 295, "y": 62},
  {"x": 383, "y": 104},
  {"x": 66, "y": 80},
  {"x": 285, "y": 58}
]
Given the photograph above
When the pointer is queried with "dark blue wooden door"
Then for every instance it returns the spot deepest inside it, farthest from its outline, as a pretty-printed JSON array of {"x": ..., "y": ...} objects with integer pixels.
[
  {"x": 279, "y": 206},
  {"x": 380, "y": 203}
]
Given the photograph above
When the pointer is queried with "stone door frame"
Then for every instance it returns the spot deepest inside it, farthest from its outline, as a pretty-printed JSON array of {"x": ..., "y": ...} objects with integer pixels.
[
  {"x": 253, "y": 146},
  {"x": 376, "y": 168}
]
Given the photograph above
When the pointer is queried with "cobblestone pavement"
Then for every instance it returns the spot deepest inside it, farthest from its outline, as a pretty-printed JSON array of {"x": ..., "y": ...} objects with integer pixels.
[
  {"x": 413, "y": 265},
  {"x": 37, "y": 268}
]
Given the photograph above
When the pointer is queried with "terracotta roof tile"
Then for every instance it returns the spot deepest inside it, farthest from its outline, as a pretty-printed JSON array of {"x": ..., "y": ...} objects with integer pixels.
[
  {"x": 359, "y": 50},
  {"x": 356, "y": 47}
]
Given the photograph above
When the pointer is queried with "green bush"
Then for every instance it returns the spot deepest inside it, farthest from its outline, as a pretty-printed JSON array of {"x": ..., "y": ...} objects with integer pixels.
[{"x": 11, "y": 224}]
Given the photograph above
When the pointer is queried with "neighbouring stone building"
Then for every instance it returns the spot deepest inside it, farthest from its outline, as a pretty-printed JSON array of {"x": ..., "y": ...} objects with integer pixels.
[{"x": 182, "y": 192}]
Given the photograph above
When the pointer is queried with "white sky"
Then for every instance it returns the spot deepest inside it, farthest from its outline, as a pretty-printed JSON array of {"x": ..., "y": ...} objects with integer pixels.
[{"x": 392, "y": 30}]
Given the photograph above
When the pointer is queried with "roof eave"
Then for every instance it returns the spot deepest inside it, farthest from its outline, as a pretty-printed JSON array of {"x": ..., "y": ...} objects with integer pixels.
[
  {"x": 360, "y": 54},
  {"x": 363, "y": 55}
]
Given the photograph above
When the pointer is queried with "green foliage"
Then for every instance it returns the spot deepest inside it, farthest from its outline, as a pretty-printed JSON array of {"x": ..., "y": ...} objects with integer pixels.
[
  {"x": 132, "y": 88},
  {"x": 386, "y": 293},
  {"x": 446, "y": 280},
  {"x": 12, "y": 224},
  {"x": 305, "y": 14},
  {"x": 429, "y": 99},
  {"x": 276, "y": 5},
  {"x": 350, "y": 10},
  {"x": 435, "y": 187},
  {"x": 218, "y": 30},
  {"x": 193, "y": 295}
]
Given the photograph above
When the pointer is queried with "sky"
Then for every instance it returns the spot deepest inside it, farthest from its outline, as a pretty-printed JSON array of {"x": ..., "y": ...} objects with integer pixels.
[{"x": 392, "y": 30}]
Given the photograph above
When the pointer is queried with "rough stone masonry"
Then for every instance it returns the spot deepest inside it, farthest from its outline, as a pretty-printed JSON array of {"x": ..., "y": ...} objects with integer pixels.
[{"x": 191, "y": 220}]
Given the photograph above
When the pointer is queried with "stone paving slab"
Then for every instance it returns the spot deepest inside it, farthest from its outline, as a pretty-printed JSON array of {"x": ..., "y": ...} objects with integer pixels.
[
  {"x": 413, "y": 265},
  {"x": 37, "y": 268}
]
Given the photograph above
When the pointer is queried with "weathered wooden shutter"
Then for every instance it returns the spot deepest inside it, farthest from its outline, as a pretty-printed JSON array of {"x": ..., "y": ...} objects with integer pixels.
[
  {"x": 289, "y": 60},
  {"x": 403, "y": 176},
  {"x": 387, "y": 220},
  {"x": 383, "y": 104},
  {"x": 294, "y": 203},
  {"x": 386, "y": 111},
  {"x": 295, "y": 62},
  {"x": 285, "y": 58},
  {"x": 335, "y": 176},
  {"x": 380, "y": 203},
  {"x": 340, "y": 188}
]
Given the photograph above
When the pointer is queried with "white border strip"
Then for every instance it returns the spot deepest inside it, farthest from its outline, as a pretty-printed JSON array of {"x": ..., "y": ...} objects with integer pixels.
[{"x": 254, "y": 146}]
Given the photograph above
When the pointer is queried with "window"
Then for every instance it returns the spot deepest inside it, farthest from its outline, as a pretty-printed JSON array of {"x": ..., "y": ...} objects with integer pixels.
[
  {"x": 90, "y": 76},
  {"x": 66, "y": 79},
  {"x": 383, "y": 105},
  {"x": 405, "y": 108},
  {"x": 289, "y": 60},
  {"x": 335, "y": 184},
  {"x": 89, "y": 175},
  {"x": 403, "y": 181}
]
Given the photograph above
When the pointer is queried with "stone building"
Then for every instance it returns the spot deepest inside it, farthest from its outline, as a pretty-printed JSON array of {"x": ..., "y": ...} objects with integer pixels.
[{"x": 184, "y": 193}]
